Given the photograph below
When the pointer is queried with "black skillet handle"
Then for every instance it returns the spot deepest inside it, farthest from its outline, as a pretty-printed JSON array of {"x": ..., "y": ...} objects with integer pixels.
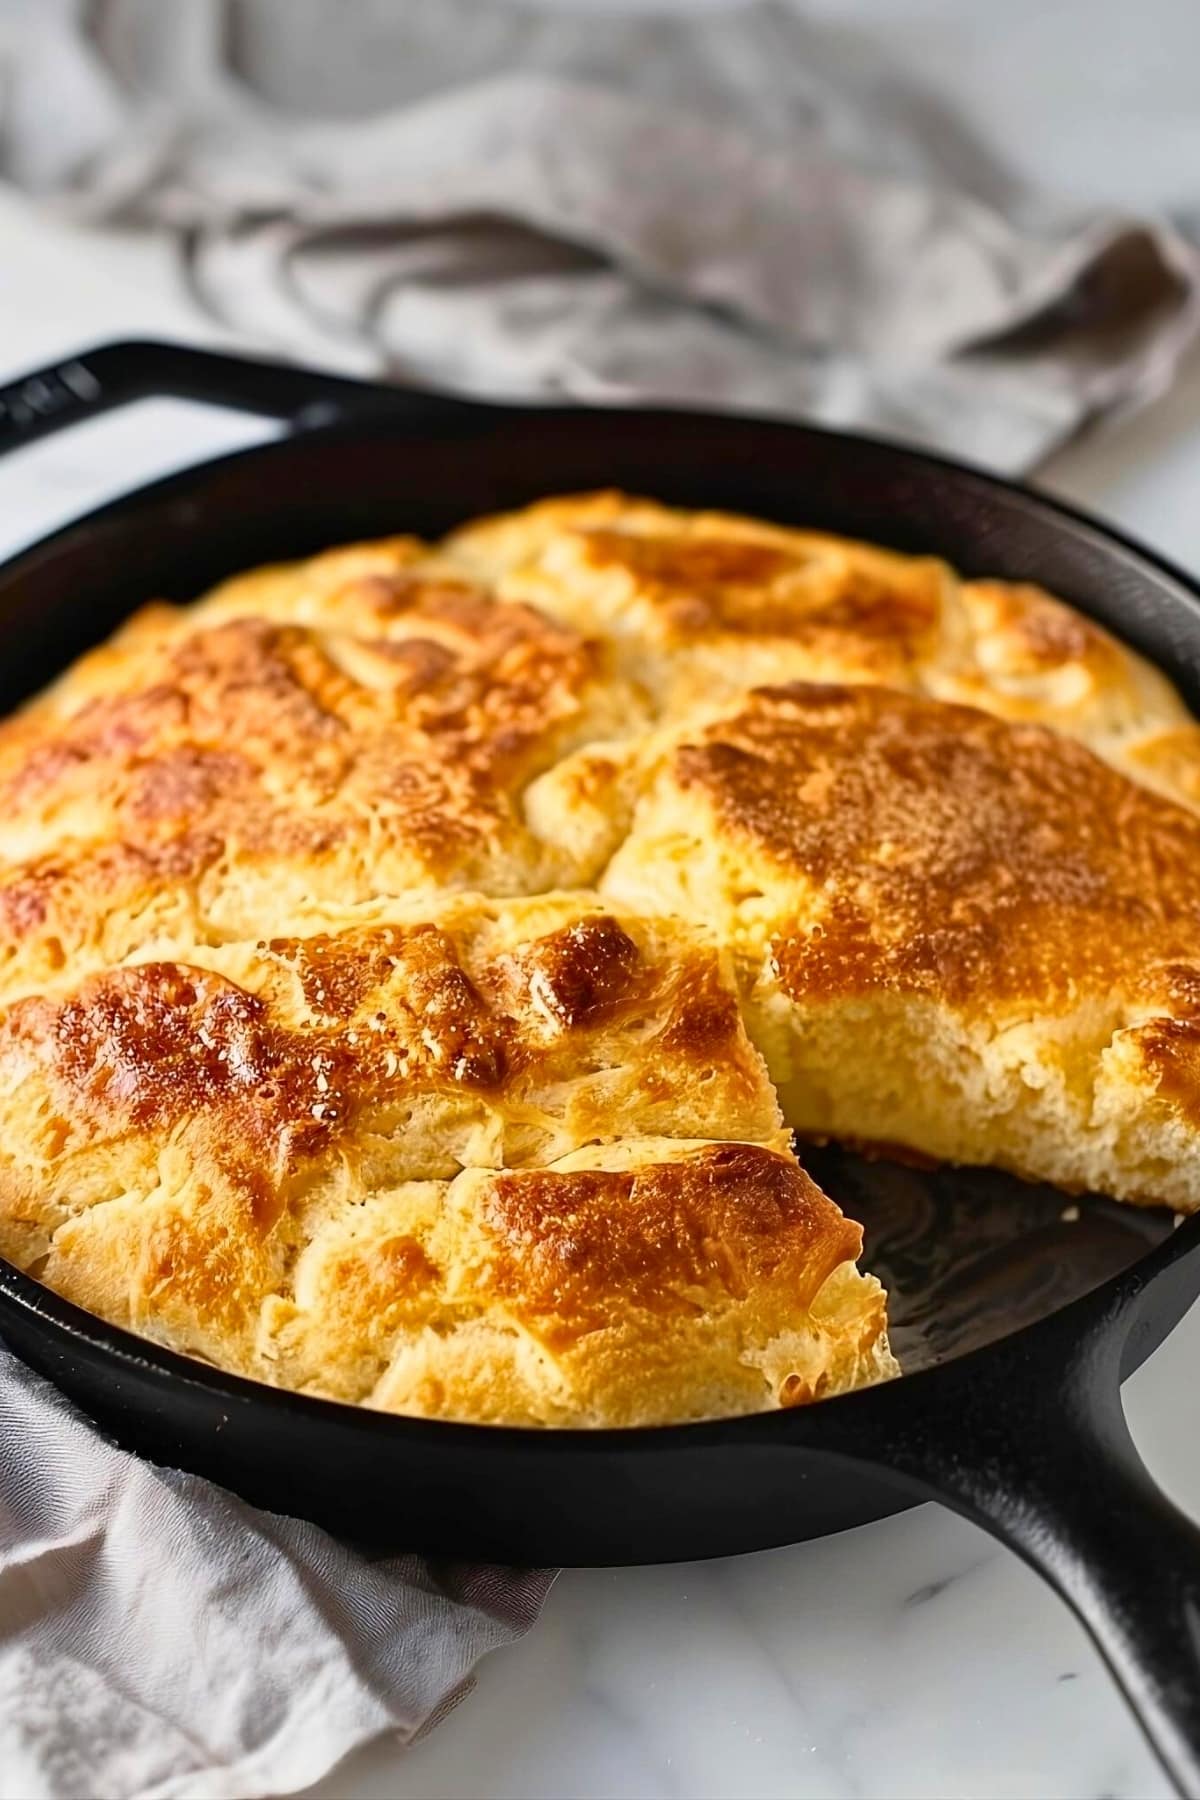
[
  {"x": 77, "y": 388},
  {"x": 1028, "y": 1438}
]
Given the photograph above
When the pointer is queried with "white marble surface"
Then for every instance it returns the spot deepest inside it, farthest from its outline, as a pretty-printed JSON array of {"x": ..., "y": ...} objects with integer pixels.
[{"x": 911, "y": 1657}]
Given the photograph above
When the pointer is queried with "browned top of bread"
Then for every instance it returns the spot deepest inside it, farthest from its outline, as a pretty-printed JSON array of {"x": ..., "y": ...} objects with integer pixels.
[
  {"x": 538, "y": 1024},
  {"x": 885, "y": 840},
  {"x": 572, "y": 1293},
  {"x": 701, "y": 601},
  {"x": 965, "y": 936},
  {"x": 212, "y": 770},
  {"x": 703, "y": 604}
]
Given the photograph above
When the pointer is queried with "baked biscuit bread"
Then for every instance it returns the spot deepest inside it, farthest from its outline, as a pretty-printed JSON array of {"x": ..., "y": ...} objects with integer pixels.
[
  {"x": 955, "y": 934},
  {"x": 458, "y": 1167},
  {"x": 703, "y": 605},
  {"x": 303, "y": 742},
  {"x": 404, "y": 953},
  {"x": 698, "y": 605}
]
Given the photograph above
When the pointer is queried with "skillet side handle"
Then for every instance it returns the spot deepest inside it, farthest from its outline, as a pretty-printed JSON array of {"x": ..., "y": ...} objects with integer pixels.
[
  {"x": 1039, "y": 1453},
  {"x": 79, "y": 387},
  {"x": 51, "y": 398}
]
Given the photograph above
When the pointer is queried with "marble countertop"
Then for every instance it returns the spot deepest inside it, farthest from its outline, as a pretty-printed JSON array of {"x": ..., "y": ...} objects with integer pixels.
[{"x": 910, "y": 1657}]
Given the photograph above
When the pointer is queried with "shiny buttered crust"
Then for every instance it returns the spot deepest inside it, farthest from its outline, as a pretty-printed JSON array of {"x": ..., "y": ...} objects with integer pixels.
[{"x": 404, "y": 954}]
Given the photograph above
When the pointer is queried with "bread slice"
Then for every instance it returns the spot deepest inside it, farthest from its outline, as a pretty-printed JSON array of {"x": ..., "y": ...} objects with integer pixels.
[
  {"x": 458, "y": 1165},
  {"x": 365, "y": 725},
  {"x": 955, "y": 934}
]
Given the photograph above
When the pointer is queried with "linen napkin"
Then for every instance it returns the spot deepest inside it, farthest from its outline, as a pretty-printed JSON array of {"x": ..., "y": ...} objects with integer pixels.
[
  {"x": 160, "y": 1638},
  {"x": 741, "y": 209}
]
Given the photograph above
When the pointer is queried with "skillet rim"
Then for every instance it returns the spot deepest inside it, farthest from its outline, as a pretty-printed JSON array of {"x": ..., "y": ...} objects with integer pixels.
[
  {"x": 429, "y": 408},
  {"x": 145, "y": 1356},
  {"x": 61, "y": 1318}
]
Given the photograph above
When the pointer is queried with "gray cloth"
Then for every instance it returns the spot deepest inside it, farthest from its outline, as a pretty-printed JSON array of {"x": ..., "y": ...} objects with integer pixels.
[
  {"x": 160, "y": 1638},
  {"x": 739, "y": 209}
]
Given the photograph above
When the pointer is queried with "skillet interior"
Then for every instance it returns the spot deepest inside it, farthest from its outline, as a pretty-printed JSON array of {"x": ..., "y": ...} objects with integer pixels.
[{"x": 970, "y": 1256}]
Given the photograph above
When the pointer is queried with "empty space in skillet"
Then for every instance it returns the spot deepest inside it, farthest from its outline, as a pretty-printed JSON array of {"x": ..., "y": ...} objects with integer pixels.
[{"x": 969, "y": 1256}]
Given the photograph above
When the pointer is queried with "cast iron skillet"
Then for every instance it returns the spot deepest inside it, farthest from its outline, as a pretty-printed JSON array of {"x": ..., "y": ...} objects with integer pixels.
[{"x": 1016, "y": 1323}]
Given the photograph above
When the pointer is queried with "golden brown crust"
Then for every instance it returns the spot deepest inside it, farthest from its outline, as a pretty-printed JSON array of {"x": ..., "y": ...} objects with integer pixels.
[
  {"x": 325, "y": 765},
  {"x": 549, "y": 1023},
  {"x": 624, "y": 1285},
  {"x": 700, "y": 605},
  {"x": 921, "y": 846},
  {"x": 663, "y": 1239},
  {"x": 1035, "y": 659},
  {"x": 712, "y": 586}
]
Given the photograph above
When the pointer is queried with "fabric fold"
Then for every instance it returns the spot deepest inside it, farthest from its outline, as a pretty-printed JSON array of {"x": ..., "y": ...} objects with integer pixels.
[
  {"x": 160, "y": 1638},
  {"x": 742, "y": 209}
]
